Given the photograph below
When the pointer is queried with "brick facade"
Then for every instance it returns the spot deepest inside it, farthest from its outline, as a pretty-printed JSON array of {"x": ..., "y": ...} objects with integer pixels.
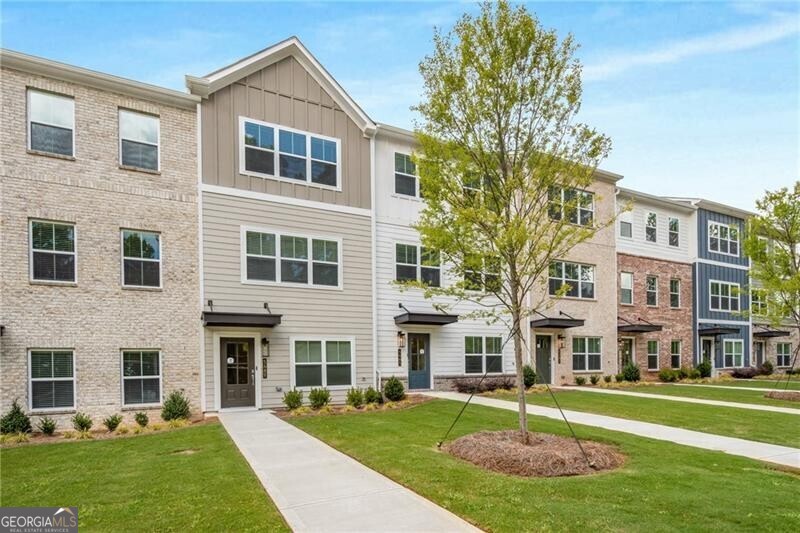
[
  {"x": 96, "y": 317},
  {"x": 676, "y": 322}
]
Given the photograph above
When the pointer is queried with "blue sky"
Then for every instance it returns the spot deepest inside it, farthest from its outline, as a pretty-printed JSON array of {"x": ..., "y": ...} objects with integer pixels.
[{"x": 700, "y": 99}]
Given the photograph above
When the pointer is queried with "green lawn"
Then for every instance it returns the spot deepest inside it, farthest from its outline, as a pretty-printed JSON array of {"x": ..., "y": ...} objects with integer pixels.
[
  {"x": 733, "y": 394},
  {"x": 775, "y": 428},
  {"x": 143, "y": 483},
  {"x": 662, "y": 486},
  {"x": 794, "y": 384}
]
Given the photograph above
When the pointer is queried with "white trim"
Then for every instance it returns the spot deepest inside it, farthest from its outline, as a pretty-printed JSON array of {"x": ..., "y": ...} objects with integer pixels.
[
  {"x": 720, "y": 263},
  {"x": 713, "y": 357},
  {"x": 216, "y": 336},
  {"x": 553, "y": 347},
  {"x": 719, "y": 238},
  {"x": 730, "y": 285},
  {"x": 323, "y": 339},
  {"x": 649, "y": 355},
  {"x": 680, "y": 286},
  {"x": 585, "y": 354},
  {"x": 123, "y": 257},
  {"x": 633, "y": 350},
  {"x": 578, "y": 281},
  {"x": 648, "y": 226},
  {"x": 122, "y": 378},
  {"x": 201, "y": 269},
  {"x": 74, "y": 251},
  {"x": 73, "y": 379},
  {"x": 725, "y": 343},
  {"x": 670, "y": 232},
  {"x": 297, "y": 202},
  {"x": 483, "y": 355},
  {"x": 778, "y": 355},
  {"x": 418, "y": 246},
  {"x": 309, "y": 261},
  {"x": 374, "y": 266},
  {"x": 120, "y": 111},
  {"x": 646, "y": 290},
  {"x": 679, "y": 354},
  {"x": 416, "y": 195},
  {"x": 276, "y": 153},
  {"x": 621, "y": 288},
  {"x": 712, "y": 321},
  {"x": 28, "y": 119}
]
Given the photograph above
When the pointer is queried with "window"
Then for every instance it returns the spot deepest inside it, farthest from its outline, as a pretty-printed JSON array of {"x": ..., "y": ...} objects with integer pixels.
[
  {"x": 674, "y": 293},
  {"x": 573, "y": 205},
  {"x": 483, "y": 354},
  {"x": 52, "y": 251},
  {"x": 408, "y": 268},
  {"x": 52, "y": 379},
  {"x": 51, "y": 123},
  {"x": 323, "y": 363},
  {"x": 674, "y": 232},
  {"x": 626, "y": 288},
  {"x": 625, "y": 229},
  {"x": 579, "y": 278},
  {"x": 651, "y": 290},
  {"x": 675, "y": 354},
  {"x": 784, "y": 353},
  {"x": 724, "y": 296},
  {"x": 485, "y": 275},
  {"x": 652, "y": 355},
  {"x": 651, "y": 228},
  {"x": 271, "y": 257},
  {"x": 405, "y": 175},
  {"x": 758, "y": 302},
  {"x": 733, "y": 350},
  {"x": 723, "y": 239},
  {"x": 141, "y": 377},
  {"x": 141, "y": 259},
  {"x": 586, "y": 354},
  {"x": 300, "y": 156},
  {"x": 138, "y": 140}
]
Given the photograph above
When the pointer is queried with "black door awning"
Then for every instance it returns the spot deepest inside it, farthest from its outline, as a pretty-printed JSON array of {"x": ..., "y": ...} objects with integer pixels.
[
  {"x": 765, "y": 332},
  {"x": 639, "y": 328},
  {"x": 557, "y": 323},
  {"x": 249, "y": 320},
  {"x": 425, "y": 319},
  {"x": 713, "y": 331}
]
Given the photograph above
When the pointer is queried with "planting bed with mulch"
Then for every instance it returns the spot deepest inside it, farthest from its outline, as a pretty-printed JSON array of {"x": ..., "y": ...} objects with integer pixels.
[
  {"x": 790, "y": 395},
  {"x": 409, "y": 401},
  {"x": 545, "y": 455}
]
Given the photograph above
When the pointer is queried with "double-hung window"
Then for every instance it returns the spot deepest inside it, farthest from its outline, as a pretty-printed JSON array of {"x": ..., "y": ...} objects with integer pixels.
[
  {"x": 758, "y": 302},
  {"x": 417, "y": 263},
  {"x": 651, "y": 290},
  {"x": 651, "y": 227},
  {"x": 141, "y": 259},
  {"x": 733, "y": 353},
  {"x": 674, "y": 232},
  {"x": 724, "y": 296},
  {"x": 269, "y": 150},
  {"x": 483, "y": 355},
  {"x": 652, "y": 355},
  {"x": 141, "y": 377},
  {"x": 586, "y": 354},
  {"x": 273, "y": 257},
  {"x": 405, "y": 175},
  {"x": 723, "y": 239},
  {"x": 577, "y": 277},
  {"x": 482, "y": 274},
  {"x": 674, "y": 293},
  {"x": 784, "y": 354},
  {"x": 52, "y": 379},
  {"x": 323, "y": 363},
  {"x": 626, "y": 288},
  {"x": 51, "y": 123},
  {"x": 260, "y": 256},
  {"x": 675, "y": 353},
  {"x": 138, "y": 140},
  {"x": 52, "y": 251},
  {"x": 574, "y": 205}
]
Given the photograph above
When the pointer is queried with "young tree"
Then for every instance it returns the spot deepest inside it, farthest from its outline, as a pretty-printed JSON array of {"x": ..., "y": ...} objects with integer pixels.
[
  {"x": 773, "y": 245},
  {"x": 503, "y": 164}
]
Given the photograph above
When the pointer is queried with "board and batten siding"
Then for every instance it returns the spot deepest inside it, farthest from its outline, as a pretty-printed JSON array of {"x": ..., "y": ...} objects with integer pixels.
[
  {"x": 283, "y": 93},
  {"x": 710, "y": 272},
  {"x": 306, "y": 310},
  {"x": 705, "y": 216}
]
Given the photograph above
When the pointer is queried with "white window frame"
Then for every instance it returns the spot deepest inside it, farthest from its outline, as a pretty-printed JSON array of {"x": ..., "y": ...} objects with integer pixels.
[
  {"x": 276, "y": 153},
  {"x": 648, "y": 226},
  {"x": 586, "y": 355},
  {"x": 310, "y": 260},
  {"x": 630, "y": 225},
  {"x": 678, "y": 294},
  {"x": 758, "y": 302},
  {"x": 647, "y": 290},
  {"x": 623, "y": 288},
  {"x": 728, "y": 239},
  {"x": 787, "y": 355},
  {"x": 28, "y": 121},
  {"x": 483, "y": 355},
  {"x": 725, "y": 344},
  {"x": 419, "y": 265},
  {"x": 673, "y": 353},
  {"x": 157, "y": 145},
  {"x": 578, "y": 208},
  {"x": 396, "y": 194},
  {"x": 31, "y": 379},
  {"x": 123, "y": 378},
  {"x": 651, "y": 354},
  {"x": 74, "y": 252},
  {"x": 676, "y": 232},
  {"x": 564, "y": 279},
  {"x": 731, "y": 287},
  {"x": 123, "y": 257},
  {"x": 324, "y": 340}
]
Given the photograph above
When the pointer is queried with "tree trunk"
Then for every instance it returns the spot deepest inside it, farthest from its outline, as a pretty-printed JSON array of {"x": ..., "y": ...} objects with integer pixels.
[{"x": 523, "y": 414}]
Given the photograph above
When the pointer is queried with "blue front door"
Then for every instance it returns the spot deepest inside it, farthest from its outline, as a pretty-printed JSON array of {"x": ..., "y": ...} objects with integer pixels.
[{"x": 419, "y": 361}]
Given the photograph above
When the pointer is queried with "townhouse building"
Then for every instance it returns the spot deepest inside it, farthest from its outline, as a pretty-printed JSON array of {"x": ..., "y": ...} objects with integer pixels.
[
  {"x": 656, "y": 239},
  {"x": 99, "y": 281}
]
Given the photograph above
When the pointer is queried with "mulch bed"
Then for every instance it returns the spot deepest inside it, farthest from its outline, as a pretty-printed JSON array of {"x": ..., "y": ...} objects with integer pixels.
[
  {"x": 790, "y": 395},
  {"x": 546, "y": 455},
  {"x": 409, "y": 401}
]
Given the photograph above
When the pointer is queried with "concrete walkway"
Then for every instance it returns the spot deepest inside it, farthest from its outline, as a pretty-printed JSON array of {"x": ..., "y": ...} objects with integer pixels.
[
  {"x": 684, "y": 399},
  {"x": 782, "y": 455},
  {"x": 757, "y": 389},
  {"x": 317, "y": 488}
]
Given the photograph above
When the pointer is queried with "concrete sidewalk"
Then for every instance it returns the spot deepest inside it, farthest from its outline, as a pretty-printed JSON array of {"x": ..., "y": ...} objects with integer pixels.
[
  {"x": 318, "y": 488},
  {"x": 684, "y": 399},
  {"x": 782, "y": 455},
  {"x": 758, "y": 389}
]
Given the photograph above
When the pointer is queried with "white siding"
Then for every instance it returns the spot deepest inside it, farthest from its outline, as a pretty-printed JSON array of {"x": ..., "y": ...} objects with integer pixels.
[{"x": 638, "y": 245}]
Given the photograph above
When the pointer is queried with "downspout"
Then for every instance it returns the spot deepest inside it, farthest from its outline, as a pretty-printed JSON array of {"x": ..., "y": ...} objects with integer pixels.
[
  {"x": 374, "y": 255},
  {"x": 198, "y": 155}
]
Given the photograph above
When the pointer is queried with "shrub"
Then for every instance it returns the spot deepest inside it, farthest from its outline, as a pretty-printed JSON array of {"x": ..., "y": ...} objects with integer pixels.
[
  {"x": 501, "y": 382},
  {"x": 580, "y": 381},
  {"x": 619, "y": 377},
  {"x": 744, "y": 373},
  {"x": 694, "y": 373},
  {"x": 766, "y": 368},
  {"x": 319, "y": 398},
  {"x": 15, "y": 420},
  {"x": 122, "y": 430},
  {"x": 631, "y": 372},
  {"x": 176, "y": 407},
  {"x": 393, "y": 389},
  {"x": 355, "y": 398},
  {"x": 372, "y": 396},
  {"x": 594, "y": 379},
  {"x": 528, "y": 376},
  {"x": 112, "y": 422},
  {"x": 705, "y": 369},
  {"x": 667, "y": 375},
  {"x": 607, "y": 378},
  {"x": 293, "y": 399},
  {"x": 81, "y": 422},
  {"x": 177, "y": 423},
  {"x": 684, "y": 372},
  {"x": 141, "y": 419},
  {"x": 47, "y": 425}
]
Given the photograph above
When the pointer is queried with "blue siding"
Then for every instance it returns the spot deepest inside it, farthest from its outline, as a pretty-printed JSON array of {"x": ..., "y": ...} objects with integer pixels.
[
  {"x": 743, "y": 334},
  {"x": 705, "y": 274},
  {"x": 703, "y": 218}
]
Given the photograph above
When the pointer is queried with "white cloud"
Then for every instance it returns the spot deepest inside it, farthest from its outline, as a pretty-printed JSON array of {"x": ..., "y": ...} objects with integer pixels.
[{"x": 731, "y": 40}]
